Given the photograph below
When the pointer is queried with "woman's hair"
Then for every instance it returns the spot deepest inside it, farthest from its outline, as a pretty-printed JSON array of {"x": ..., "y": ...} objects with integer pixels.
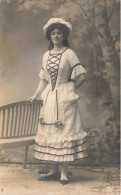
[{"x": 63, "y": 28}]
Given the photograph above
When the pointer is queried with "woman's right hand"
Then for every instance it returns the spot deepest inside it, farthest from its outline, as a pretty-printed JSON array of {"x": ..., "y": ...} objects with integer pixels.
[{"x": 32, "y": 98}]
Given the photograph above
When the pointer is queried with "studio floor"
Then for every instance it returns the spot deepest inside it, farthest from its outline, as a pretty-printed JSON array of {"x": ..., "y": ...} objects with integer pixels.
[{"x": 85, "y": 180}]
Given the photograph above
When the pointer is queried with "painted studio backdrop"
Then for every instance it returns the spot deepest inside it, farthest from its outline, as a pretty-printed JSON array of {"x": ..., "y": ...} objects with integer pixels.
[{"x": 95, "y": 39}]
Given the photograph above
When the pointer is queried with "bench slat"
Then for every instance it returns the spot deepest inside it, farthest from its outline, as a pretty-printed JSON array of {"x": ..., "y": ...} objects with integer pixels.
[
  {"x": 35, "y": 116},
  {"x": 3, "y": 122},
  {"x": 27, "y": 120},
  {"x": 12, "y": 119},
  {"x": 32, "y": 120},
  {"x": 19, "y": 121},
  {"x": 38, "y": 114},
  {"x": 16, "y": 118},
  {"x": 23, "y": 120},
  {"x": 8, "y": 120}
]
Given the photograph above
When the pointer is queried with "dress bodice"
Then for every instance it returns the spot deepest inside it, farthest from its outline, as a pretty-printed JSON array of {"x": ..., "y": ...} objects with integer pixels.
[
  {"x": 60, "y": 67},
  {"x": 58, "y": 72},
  {"x": 52, "y": 67}
]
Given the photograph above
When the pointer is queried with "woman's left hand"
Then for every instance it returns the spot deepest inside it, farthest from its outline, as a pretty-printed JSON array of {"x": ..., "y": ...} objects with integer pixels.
[{"x": 32, "y": 98}]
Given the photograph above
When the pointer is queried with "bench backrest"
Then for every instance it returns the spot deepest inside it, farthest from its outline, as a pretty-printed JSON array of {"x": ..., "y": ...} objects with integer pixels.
[{"x": 19, "y": 119}]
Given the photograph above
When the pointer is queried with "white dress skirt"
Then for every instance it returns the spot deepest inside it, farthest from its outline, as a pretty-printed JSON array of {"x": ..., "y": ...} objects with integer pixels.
[{"x": 60, "y": 135}]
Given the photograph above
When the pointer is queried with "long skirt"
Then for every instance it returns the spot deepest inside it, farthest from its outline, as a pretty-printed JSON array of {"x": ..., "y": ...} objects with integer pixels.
[{"x": 60, "y": 136}]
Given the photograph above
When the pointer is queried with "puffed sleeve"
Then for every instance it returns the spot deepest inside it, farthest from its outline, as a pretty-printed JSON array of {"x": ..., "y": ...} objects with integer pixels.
[
  {"x": 43, "y": 72},
  {"x": 76, "y": 66}
]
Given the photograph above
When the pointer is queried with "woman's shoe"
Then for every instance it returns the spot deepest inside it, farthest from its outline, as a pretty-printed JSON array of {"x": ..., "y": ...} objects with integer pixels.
[
  {"x": 64, "y": 181},
  {"x": 55, "y": 176},
  {"x": 42, "y": 172}
]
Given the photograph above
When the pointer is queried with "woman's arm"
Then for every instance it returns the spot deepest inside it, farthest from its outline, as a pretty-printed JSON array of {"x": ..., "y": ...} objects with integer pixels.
[
  {"x": 39, "y": 89},
  {"x": 80, "y": 80}
]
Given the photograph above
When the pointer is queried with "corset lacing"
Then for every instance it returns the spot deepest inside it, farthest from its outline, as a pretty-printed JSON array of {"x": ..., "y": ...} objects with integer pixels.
[{"x": 52, "y": 67}]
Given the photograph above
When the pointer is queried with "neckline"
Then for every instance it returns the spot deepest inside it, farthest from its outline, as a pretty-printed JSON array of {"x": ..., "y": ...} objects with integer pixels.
[{"x": 59, "y": 51}]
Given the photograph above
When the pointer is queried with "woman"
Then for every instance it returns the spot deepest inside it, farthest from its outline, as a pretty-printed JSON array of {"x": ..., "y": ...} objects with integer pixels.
[{"x": 60, "y": 137}]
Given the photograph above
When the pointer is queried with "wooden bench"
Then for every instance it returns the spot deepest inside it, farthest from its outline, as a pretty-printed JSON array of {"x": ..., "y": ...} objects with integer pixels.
[{"x": 18, "y": 125}]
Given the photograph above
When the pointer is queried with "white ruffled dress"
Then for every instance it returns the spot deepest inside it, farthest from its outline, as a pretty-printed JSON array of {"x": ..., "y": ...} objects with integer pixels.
[{"x": 60, "y": 136}]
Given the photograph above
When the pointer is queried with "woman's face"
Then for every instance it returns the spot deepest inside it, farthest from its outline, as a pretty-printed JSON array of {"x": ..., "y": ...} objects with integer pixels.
[{"x": 57, "y": 37}]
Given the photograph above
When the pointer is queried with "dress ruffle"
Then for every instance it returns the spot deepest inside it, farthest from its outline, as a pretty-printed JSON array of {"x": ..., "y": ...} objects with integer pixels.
[
  {"x": 64, "y": 158},
  {"x": 66, "y": 149},
  {"x": 60, "y": 142},
  {"x": 61, "y": 151}
]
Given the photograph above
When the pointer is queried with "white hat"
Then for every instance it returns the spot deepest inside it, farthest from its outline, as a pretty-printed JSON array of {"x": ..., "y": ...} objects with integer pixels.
[{"x": 57, "y": 20}]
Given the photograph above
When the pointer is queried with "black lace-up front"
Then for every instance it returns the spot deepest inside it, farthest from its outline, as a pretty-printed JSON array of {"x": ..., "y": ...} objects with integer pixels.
[{"x": 52, "y": 67}]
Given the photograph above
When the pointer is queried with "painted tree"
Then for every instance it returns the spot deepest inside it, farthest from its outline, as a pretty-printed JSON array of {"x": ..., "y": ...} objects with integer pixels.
[
  {"x": 111, "y": 59},
  {"x": 107, "y": 42}
]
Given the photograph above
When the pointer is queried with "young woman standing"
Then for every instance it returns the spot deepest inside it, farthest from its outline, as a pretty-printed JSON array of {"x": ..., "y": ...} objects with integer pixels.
[{"x": 60, "y": 137}]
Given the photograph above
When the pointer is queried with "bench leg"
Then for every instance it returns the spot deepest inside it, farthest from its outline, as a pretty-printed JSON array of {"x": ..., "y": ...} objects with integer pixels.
[{"x": 26, "y": 155}]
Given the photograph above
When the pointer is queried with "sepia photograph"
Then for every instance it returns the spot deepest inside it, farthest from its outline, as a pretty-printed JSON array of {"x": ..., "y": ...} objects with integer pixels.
[{"x": 59, "y": 97}]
